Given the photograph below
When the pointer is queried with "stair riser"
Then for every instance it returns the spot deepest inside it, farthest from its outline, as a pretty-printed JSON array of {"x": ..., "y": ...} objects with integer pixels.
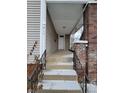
[
  {"x": 59, "y": 59},
  {"x": 61, "y": 91},
  {"x": 56, "y": 77},
  {"x": 59, "y": 67}
]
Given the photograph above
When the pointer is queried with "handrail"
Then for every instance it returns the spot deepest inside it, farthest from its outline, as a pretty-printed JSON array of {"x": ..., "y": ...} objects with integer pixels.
[
  {"x": 40, "y": 59},
  {"x": 34, "y": 46}
]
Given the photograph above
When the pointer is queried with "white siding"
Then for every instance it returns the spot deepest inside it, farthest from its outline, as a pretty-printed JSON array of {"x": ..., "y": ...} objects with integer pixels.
[{"x": 33, "y": 28}]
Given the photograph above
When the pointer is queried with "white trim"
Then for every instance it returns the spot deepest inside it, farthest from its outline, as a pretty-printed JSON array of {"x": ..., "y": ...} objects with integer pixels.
[
  {"x": 60, "y": 45},
  {"x": 92, "y": 1},
  {"x": 65, "y": 1},
  {"x": 81, "y": 41},
  {"x": 71, "y": 1},
  {"x": 42, "y": 27}
]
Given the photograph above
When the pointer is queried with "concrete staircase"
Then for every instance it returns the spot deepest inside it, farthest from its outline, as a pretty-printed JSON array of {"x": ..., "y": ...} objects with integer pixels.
[{"x": 59, "y": 76}]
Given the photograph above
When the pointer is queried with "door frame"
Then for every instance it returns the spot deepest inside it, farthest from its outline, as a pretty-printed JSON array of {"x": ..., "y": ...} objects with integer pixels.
[{"x": 60, "y": 44}]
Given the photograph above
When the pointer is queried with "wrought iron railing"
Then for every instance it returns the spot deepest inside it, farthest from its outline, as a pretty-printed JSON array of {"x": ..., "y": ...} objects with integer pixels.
[
  {"x": 84, "y": 78},
  {"x": 33, "y": 48},
  {"x": 38, "y": 68}
]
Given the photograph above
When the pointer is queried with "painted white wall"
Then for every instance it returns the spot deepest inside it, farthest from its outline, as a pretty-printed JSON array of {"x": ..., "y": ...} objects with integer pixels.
[
  {"x": 71, "y": 40},
  {"x": 67, "y": 42},
  {"x": 78, "y": 34},
  {"x": 51, "y": 37}
]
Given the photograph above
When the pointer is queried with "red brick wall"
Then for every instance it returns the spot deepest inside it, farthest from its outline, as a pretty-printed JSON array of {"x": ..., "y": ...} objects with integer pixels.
[
  {"x": 90, "y": 21},
  {"x": 90, "y": 34},
  {"x": 88, "y": 54}
]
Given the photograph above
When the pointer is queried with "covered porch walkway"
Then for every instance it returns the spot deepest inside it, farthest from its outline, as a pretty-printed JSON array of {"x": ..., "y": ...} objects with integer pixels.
[{"x": 53, "y": 28}]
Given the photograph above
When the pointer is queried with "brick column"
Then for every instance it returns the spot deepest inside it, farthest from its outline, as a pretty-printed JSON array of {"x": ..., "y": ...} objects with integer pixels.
[{"x": 80, "y": 59}]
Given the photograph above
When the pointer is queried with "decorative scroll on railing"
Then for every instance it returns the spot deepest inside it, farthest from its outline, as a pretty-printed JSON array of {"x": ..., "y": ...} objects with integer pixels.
[{"x": 34, "y": 73}]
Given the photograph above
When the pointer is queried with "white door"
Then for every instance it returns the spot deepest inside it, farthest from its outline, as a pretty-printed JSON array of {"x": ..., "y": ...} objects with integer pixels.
[{"x": 61, "y": 42}]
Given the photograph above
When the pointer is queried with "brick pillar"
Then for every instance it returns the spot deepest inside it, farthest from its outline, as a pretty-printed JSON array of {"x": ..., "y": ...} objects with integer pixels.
[{"x": 80, "y": 59}]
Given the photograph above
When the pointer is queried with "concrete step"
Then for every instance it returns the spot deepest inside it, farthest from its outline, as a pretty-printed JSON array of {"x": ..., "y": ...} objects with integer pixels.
[
  {"x": 61, "y": 74},
  {"x": 59, "y": 86},
  {"x": 59, "y": 65},
  {"x": 91, "y": 88},
  {"x": 57, "y": 58}
]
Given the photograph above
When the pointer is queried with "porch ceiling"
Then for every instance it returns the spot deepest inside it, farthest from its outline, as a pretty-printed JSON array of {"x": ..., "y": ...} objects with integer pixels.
[{"x": 64, "y": 16}]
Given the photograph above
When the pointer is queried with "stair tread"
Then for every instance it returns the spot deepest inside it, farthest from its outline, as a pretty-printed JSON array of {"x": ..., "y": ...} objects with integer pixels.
[
  {"x": 60, "y": 85},
  {"x": 59, "y": 76},
  {"x": 60, "y": 72},
  {"x": 59, "y": 63}
]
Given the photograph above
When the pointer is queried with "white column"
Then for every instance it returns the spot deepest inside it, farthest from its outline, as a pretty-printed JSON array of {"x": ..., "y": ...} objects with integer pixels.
[{"x": 42, "y": 27}]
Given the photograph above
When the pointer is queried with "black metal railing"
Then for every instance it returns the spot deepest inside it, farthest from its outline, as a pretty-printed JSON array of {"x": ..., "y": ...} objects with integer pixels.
[
  {"x": 33, "y": 48},
  {"x": 84, "y": 78},
  {"x": 39, "y": 66}
]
